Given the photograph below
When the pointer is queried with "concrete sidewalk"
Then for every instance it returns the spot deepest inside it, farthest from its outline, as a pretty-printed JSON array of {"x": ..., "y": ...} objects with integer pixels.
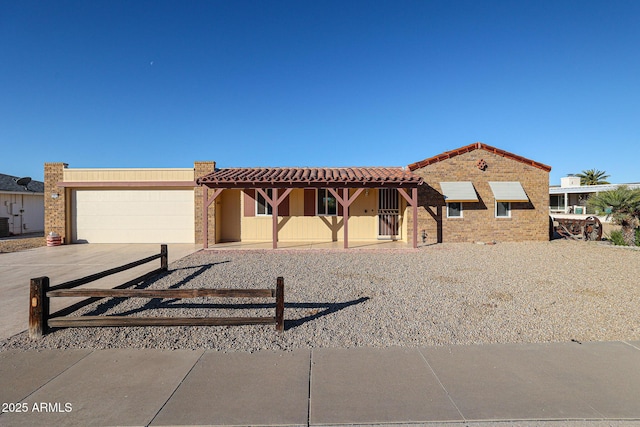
[
  {"x": 68, "y": 262},
  {"x": 524, "y": 384}
]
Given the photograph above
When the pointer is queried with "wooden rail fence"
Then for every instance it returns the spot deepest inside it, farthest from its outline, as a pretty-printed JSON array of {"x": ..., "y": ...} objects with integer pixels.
[{"x": 40, "y": 320}]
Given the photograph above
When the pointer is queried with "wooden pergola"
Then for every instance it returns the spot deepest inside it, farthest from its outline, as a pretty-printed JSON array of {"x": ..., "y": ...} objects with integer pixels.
[{"x": 338, "y": 181}]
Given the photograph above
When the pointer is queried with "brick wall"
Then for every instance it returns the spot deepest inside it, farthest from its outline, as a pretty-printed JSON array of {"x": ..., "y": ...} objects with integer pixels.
[
  {"x": 55, "y": 208},
  {"x": 529, "y": 221},
  {"x": 200, "y": 169}
]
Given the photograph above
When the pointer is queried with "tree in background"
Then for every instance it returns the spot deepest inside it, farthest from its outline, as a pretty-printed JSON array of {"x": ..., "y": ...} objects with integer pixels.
[
  {"x": 593, "y": 177},
  {"x": 624, "y": 205}
]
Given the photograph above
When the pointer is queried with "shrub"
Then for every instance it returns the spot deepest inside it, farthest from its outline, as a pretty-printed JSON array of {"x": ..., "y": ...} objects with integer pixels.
[{"x": 616, "y": 238}]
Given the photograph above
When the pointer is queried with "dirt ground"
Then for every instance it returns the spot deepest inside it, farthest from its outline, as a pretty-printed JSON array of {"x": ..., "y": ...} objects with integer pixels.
[{"x": 22, "y": 243}]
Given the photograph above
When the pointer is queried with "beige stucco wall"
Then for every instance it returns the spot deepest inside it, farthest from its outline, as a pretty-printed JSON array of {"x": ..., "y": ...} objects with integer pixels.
[
  {"x": 529, "y": 221},
  {"x": 133, "y": 174},
  {"x": 363, "y": 220}
]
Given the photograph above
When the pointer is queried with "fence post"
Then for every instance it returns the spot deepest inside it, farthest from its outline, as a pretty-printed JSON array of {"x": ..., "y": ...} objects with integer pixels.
[
  {"x": 164, "y": 258},
  {"x": 38, "y": 307},
  {"x": 280, "y": 304}
]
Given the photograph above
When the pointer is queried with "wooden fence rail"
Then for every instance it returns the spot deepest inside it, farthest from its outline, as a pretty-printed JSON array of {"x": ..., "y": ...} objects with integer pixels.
[{"x": 40, "y": 292}]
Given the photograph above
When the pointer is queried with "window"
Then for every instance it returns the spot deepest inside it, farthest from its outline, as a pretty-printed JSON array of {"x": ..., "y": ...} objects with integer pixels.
[
  {"x": 557, "y": 202},
  {"x": 326, "y": 203},
  {"x": 262, "y": 207},
  {"x": 503, "y": 209},
  {"x": 454, "y": 210}
]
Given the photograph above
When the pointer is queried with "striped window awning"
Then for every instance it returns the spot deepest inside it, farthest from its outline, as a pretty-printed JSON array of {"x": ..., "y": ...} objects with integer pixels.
[
  {"x": 461, "y": 191},
  {"x": 508, "y": 191}
]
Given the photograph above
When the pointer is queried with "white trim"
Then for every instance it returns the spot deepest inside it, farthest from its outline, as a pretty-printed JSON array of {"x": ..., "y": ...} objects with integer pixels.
[
  {"x": 508, "y": 209},
  {"x": 326, "y": 206},
  {"x": 461, "y": 211},
  {"x": 266, "y": 204}
]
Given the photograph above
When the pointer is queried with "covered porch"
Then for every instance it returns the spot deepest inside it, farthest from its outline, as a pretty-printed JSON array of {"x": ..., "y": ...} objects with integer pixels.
[{"x": 309, "y": 206}]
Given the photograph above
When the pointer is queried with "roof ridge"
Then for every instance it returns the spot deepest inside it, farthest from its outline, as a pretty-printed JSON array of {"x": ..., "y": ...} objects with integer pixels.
[{"x": 477, "y": 146}]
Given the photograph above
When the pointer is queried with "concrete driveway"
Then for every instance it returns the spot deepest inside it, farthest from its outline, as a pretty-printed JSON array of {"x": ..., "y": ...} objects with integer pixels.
[{"x": 64, "y": 263}]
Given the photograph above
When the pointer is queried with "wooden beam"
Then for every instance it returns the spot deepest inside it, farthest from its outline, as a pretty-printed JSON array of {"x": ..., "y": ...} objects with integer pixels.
[
  {"x": 83, "y": 303},
  {"x": 413, "y": 202},
  {"x": 280, "y": 304},
  {"x": 89, "y": 321},
  {"x": 414, "y": 196},
  {"x": 92, "y": 277},
  {"x": 345, "y": 201},
  {"x": 164, "y": 258},
  {"x": 164, "y": 293},
  {"x": 274, "y": 218},
  {"x": 206, "y": 202},
  {"x": 274, "y": 201},
  {"x": 38, "y": 307},
  {"x": 345, "y": 216}
]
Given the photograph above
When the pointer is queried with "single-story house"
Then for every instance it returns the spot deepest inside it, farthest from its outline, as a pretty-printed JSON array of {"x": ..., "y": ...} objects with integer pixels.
[
  {"x": 210, "y": 205},
  {"x": 21, "y": 205},
  {"x": 571, "y": 197}
]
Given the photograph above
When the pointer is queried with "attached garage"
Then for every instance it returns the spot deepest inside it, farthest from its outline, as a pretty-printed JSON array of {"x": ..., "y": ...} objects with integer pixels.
[{"x": 132, "y": 216}]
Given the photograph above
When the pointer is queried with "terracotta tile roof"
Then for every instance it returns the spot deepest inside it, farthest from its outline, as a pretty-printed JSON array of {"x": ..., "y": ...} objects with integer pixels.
[
  {"x": 310, "y": 177},
  {"x": 477, "y": 146}
]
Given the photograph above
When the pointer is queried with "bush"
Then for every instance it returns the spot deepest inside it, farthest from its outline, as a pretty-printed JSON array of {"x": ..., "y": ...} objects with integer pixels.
[{"x": 616, "y": 238}]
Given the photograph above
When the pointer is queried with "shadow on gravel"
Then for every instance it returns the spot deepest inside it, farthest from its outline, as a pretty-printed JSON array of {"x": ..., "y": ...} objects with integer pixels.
[
  {"x": 329, "y": 308},
  {"x": 317, "y": 309},
  {"x": 112, "y": 303}
]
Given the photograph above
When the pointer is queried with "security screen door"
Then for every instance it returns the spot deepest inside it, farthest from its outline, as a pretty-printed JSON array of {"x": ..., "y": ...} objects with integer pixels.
[{"x": 388, "y": 213}]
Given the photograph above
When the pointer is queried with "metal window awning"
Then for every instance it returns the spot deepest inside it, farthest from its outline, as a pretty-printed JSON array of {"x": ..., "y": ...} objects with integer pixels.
[
  {"x": 508, "y": 191},
  {"x": 461, "y": 191}
]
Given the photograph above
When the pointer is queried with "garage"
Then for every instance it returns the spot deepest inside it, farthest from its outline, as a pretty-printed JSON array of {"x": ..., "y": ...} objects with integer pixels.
[{"x": 132, "y": 216}]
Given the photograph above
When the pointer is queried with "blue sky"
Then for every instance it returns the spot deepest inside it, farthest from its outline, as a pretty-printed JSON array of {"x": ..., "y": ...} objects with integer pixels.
[{"x": 318, "y": 83}]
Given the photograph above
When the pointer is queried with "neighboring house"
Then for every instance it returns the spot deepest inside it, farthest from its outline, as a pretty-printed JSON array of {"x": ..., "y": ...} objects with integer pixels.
[
  {"x": 571, "y": 197},
  {"x": 509, "y": 202},
  {"x": 21, "y": 205}
]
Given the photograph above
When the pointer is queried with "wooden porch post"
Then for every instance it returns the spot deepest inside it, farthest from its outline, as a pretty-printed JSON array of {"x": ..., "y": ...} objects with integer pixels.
[
  {"x": 414, "y": 196},
  {"x": 345, "y": 202},
  {"x": 274, "y": 217},
  {"x": 274, "y": 201},
  {"x": 345, "y": 215},
  {"x": 413, "y": 201},
  {"x": 206, "y": 202}
]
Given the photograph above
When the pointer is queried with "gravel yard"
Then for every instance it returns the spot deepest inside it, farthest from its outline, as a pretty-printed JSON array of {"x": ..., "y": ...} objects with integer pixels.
[
  {"x": 22, "y": 243},
  {"x": 437, "y": 295}
]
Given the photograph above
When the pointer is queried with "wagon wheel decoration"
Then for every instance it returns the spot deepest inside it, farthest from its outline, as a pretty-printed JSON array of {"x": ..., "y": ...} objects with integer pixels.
[{"x": 592, "y": 228}]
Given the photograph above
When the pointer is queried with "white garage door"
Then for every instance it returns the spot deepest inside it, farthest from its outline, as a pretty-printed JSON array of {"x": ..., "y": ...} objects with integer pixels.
[{"x": 133, "y": 216}]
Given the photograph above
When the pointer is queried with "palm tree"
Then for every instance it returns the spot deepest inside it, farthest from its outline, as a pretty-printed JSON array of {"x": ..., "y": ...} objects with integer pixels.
[
  {"x": 624, "y": 205},
  {"x": 593, "y": 177}
]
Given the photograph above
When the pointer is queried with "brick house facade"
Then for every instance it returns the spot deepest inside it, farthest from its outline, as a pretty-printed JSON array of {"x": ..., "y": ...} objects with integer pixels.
[
  {"x": 440, "y": 218},
  {"x": 481, "y": 164}
]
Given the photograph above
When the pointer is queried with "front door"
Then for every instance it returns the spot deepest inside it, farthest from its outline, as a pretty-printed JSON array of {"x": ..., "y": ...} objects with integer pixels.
[{"x": 388, "y": 214}]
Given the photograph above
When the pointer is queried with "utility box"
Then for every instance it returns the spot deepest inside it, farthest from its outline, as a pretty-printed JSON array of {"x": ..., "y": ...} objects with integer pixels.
[{"x": 4, "y": 227}]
